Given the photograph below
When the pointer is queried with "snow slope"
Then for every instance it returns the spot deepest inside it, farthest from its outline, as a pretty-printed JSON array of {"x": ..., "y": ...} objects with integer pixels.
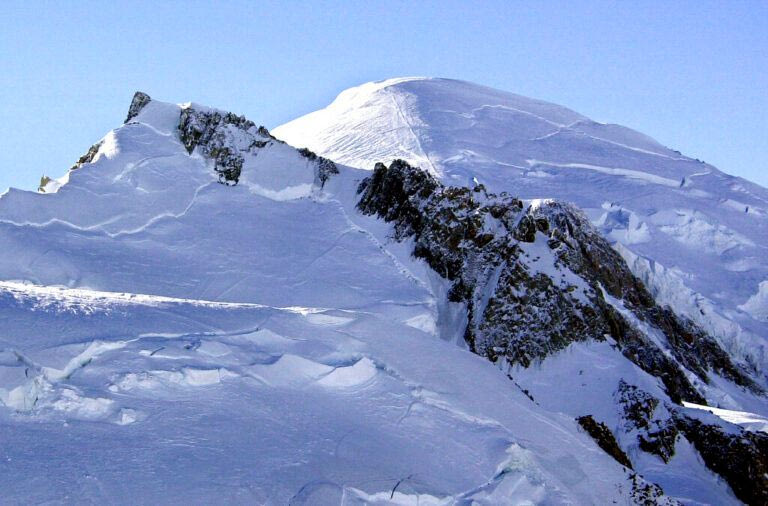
[
  {"x": 695, "y": 235},
  {"x": 166, "y": 338}
]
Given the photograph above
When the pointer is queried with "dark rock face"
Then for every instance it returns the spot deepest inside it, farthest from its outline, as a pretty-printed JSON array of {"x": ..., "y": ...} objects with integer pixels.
[
  {"x": 213, "y": 133},
  {"x": 204, "y": 127},
  {"x": 44, "y": 180},
  {"x": 140, "y": 100},
  {"x": 265, "y": 133},
  {"x": 604, "y": 439},
  {"x": 226, "y": 137},
  {"x": 642, "y": 492},
  {"x": 536, "y": 278},
  {"x": 88, "y": 156},
  {"x": 656, "y": 434},
  {"x": 647, "y": 494},
  {"x": 325, "y": 167},
  {"x": 584, "y": 251},
  {"x": 739, "y": 456},
  {"x": 661, "y": 442},
  {"x": 638, "y": 406}
]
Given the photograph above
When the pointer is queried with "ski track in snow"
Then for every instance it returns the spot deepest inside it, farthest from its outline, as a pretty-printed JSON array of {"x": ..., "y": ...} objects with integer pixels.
[
  {"x": 416, "y": 138},
  {"x": 631, "y": 174}
]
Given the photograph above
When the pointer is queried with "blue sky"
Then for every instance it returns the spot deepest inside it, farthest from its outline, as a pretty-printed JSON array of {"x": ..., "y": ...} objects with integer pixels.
[{"x": 693, "y": 75}]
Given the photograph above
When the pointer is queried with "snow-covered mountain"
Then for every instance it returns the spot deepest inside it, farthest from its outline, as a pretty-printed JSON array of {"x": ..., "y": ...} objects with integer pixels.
[
  {"x": 166, "y": 338},
  {"x": 696, "y": 236},
  {"x": 198, "y": 312}
]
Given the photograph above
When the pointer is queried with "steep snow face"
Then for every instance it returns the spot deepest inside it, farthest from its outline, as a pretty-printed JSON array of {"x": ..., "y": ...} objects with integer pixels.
[
  {"x": 167, "y": 338},
  {"x": 695, "y": 235}
]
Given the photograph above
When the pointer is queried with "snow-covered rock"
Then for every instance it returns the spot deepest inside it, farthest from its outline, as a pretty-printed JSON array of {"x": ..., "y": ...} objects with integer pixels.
[{"x": 536, "y": 279}]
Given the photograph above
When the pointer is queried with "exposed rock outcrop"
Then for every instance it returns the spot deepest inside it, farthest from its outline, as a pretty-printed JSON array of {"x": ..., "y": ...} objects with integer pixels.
[
  {"x": 604, "y": 439},
  {"x": 226, "y": 138},
  {"x": 88, "y": 157},
  {"x": 44, "y": 180},
  {"x": 536, "y": 277},
  {"x": 140, "y": 99},
  {"x": 645, "y": 416},
  {"x": 219, "y": 136},
  {"x": 738, "y": 455},
  {"x": 325, "y": 167}
]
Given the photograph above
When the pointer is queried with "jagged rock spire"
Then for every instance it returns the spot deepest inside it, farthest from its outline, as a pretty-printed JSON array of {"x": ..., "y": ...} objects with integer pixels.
[{"x": 140, "y": 99}]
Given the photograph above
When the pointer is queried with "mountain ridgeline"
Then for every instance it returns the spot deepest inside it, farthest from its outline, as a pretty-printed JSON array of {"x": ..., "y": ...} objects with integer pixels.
[
  {"x": 695, "y": 235},
  {"x": 537, "y": 277},
  {"x": 225, "y": 138}
]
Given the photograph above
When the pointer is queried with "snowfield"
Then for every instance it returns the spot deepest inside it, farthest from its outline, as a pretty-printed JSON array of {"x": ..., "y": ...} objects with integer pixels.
[{"x": 167, "y": 400}]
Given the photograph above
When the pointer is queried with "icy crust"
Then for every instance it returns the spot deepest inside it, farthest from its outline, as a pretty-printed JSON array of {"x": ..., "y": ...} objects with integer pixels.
[
  {"x": 668, "y": 287},
  {"x": 673, "y": 212},
  {"x": 757, "y": 304}
]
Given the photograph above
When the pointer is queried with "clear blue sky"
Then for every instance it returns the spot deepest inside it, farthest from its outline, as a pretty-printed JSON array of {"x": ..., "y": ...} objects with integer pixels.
[{"x": 694, "y": 75}]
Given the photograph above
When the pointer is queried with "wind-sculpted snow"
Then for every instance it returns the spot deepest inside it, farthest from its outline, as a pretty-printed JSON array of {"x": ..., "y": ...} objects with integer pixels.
[
  {"x": 154, "y": 399},
  {"x": 677, "y": 214},
  {"x": 153, "y": 219}
]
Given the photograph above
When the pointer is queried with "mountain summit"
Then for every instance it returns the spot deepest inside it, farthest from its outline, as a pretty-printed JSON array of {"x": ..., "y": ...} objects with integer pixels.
[
  {"x": 444, "y": 124},
  {"x": 196, "y": 312}
]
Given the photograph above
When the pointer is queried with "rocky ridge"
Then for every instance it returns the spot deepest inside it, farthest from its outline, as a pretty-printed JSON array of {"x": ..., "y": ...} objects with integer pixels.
[
  {"x": 535, "y": 277},
  {"x": 656, "y": 426},
  {"x": 695, "y": 235}
]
